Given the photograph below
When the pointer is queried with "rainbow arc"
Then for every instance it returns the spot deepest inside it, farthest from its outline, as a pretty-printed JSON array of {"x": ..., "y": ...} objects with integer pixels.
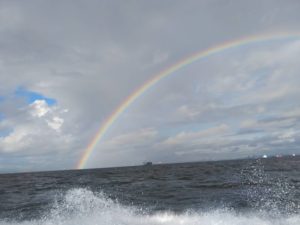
[{"x": 113, "y": 117}]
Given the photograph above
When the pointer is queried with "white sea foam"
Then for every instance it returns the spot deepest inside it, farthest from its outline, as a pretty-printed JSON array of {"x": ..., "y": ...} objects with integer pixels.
[{"x": 83, "y": 207}]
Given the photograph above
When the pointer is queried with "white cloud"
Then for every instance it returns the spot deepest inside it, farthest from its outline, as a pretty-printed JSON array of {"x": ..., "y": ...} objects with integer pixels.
[
  {"x": 16, "y": 140},
  {"x": 35, "y": 129},
  {"x": 288, "y": 135},
  {"x": 186, "y": 138},
  {"x": 55, "y": 123},
  {"x": 39, "y": 108}
]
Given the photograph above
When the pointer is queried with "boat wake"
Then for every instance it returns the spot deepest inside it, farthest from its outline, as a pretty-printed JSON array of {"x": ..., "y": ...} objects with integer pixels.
[{"x": 83, "y": 207}]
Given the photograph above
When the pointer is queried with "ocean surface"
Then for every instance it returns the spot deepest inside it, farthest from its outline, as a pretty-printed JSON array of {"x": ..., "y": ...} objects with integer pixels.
[{"x": 244, "y": 192}]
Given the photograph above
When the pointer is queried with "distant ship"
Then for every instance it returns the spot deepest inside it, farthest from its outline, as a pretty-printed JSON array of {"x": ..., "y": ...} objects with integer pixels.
[{"x": 147, "y": 163}]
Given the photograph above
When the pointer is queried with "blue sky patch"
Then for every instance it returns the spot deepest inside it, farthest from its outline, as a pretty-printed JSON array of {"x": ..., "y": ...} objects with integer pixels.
[
  {"x": 1, "y": 116},
  {"x": 5, "y": 132},
  {"x": 32, "y": 96}
]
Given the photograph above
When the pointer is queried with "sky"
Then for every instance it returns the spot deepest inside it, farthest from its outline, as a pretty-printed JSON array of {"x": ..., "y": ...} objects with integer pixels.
[{"x": 66, "y": 65}]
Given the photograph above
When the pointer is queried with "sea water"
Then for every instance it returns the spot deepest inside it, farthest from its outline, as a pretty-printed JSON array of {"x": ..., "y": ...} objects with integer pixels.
[{"x": 237, "y": 192}]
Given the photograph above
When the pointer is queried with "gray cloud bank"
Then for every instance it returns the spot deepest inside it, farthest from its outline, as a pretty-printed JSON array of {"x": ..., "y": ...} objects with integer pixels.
[{"x": 89, "y": 56}]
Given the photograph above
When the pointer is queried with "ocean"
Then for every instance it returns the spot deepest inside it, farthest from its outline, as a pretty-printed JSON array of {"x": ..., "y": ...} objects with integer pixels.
[{"x": 235, "y": 192}]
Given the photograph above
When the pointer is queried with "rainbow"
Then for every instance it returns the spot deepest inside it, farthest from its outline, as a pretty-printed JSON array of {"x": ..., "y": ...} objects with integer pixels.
[{"x": 168, "y": 71}]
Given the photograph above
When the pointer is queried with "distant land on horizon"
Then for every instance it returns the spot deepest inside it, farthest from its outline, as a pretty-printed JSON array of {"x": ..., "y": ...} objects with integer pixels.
[{"x": 283, "y": 156}]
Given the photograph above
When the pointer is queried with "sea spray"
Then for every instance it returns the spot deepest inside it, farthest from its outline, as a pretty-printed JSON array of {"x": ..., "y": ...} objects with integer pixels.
[
  {"x": 209, "y": 193},
  {"x": 83, "y": 207},
  {"x": 267, "y": 192}
]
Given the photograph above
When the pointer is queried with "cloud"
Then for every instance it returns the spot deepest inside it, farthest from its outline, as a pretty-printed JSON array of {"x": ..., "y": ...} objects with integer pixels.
[
  {"x": 216, "y": 110},
  {"x": 39, "y": 108},
  {"x": 137, "y": 137},
  {"x": 185, "y": 138},
  {"x": 130, "y": 148},
  {"x": 34, "y": 130},
  {"x": 55, "y": 123},
  {"x": 16, "y": 140},
  {"x": 10, "y": 17},
  {"x": 102, "y": 51}
]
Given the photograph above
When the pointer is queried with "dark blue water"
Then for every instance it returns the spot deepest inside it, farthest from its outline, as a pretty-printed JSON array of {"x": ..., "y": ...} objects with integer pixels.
[{"x": 256, "y": 191}]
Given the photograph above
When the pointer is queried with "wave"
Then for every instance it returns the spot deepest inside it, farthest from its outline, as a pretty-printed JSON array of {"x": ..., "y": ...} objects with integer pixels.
[{"x": 83, "y": 207}]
